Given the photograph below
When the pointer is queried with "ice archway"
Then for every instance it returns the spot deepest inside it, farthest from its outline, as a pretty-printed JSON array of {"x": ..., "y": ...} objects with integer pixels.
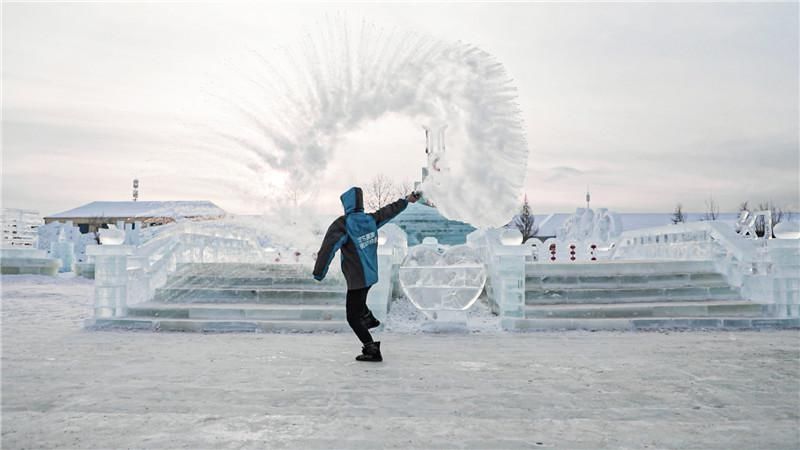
[{"x": 288, "y": 111}]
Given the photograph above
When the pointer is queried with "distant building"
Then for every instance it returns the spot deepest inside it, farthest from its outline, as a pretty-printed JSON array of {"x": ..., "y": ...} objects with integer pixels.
[{"x": 93, "y": 216}]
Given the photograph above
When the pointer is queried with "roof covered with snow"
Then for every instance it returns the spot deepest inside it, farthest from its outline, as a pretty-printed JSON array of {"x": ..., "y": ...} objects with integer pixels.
[{"x": 143, "y": 209}]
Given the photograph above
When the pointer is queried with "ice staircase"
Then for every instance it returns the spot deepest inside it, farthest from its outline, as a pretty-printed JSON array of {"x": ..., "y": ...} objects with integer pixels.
[
  {"x": 632, "y": 295},
  {"x": 218, "y": 297}
]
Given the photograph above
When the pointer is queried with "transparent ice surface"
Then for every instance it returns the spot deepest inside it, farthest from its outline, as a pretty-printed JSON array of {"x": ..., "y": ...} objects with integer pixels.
[{"x": 449, "y": 281}]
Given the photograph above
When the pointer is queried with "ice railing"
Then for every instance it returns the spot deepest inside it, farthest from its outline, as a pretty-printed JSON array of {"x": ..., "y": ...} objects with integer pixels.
[
  {"x": 127, "y": 275},
  {"x": 690, "y": 241},
  {"x": 765, "y": 270},
  {"x": 151, "y": 263}
]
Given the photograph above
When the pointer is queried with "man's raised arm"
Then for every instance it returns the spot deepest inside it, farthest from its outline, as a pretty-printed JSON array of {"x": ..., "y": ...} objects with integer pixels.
[{"x": 389, "y": 211}]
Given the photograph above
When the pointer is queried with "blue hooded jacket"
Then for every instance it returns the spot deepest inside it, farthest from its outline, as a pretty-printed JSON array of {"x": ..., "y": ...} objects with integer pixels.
[{"x": 356, "y": 234}]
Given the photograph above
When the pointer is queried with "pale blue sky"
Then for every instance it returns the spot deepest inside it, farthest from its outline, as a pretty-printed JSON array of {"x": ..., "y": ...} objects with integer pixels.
[{"x": 650, "y": 104}]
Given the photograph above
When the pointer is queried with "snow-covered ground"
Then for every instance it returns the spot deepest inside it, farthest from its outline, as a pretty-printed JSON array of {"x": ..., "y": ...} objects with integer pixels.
[
  {"x": 405, "y": 318},
  {"x": 63, "y": 387}
]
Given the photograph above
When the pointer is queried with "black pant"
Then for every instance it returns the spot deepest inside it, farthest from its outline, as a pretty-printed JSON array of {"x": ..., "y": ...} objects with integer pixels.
[{"x": 356, "y": 307}]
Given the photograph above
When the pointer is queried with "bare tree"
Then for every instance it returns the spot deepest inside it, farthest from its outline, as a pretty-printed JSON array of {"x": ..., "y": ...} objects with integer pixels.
[
  {"x": 525, "y": 222},
  {"x": 380, "y": 192},
  {"x": 404, "y": 188},
  {"x": 776, "y": 212},
  {"x": 678, "y": 216},
  {"x": 744, "y": 206},
  {"x": 712, "y": 209}
]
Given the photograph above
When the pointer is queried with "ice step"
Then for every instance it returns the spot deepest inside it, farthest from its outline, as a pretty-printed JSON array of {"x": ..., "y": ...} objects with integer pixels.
[
  {"x": 205, "y": 281},
  {"x": 664, "y": 323},
  {"x": 333, "y": 301},
  {"x": 238, "y": 312},
  {"x": 218, "y": 274},
  {"x": 637, "y": 310},
  {"x": 609, "y": 268},
  {"x": 291, "y": 296},
  {"x": 629, "y": 295},
  {"x": 235, "y": 269},
  {"x": 217, "y": 326},
  {"x": 239, "y": 265},
  {"x": 707, "y": 279}
]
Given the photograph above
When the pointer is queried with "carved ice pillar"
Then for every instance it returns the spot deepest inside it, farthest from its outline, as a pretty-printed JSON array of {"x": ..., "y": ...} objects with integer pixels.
[
  {"x": 381, "y": 292},
  {"x": 64, "y": 249},
  {"x": 509, "y": 278},
  {"x": 110, "y": 279}
]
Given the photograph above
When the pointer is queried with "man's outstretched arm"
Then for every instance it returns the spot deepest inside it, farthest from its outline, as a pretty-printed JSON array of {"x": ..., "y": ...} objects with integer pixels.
[
  {"x": 389, "y": 211},
  {"x": 334, "y": 238}
]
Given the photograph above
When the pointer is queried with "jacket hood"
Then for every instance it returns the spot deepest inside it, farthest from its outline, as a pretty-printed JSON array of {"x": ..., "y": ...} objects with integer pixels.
[{"x": 352, "y": 200}]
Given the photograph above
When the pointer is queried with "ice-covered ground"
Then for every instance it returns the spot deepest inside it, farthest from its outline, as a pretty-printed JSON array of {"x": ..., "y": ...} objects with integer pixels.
[{"x": 63, "y": 387}]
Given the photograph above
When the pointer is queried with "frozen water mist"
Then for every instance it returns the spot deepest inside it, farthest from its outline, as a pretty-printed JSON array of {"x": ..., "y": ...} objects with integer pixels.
[{"x": 287, "y": 112}]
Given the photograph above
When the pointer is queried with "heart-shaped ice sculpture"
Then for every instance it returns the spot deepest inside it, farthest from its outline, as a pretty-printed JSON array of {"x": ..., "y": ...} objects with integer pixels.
[{"x": 452, "y": 280}]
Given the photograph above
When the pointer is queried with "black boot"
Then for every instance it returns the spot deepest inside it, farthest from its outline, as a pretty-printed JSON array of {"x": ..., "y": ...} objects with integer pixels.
[
  {"x": 369, "y": 320},
  {"x": 370, "y": 353}
]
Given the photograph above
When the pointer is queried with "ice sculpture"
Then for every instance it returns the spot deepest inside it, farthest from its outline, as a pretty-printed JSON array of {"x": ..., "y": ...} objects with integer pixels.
[
  {"x": 442, "y": 280},
  {"x": 64, "y": 250},
  {"x": 747, "y": 223},
  {"x": 112, "y": 235},
  {"x": 285, "y": 113},
  {"x": 50, "y": 234},
  {"x": 585, "y": 225}
]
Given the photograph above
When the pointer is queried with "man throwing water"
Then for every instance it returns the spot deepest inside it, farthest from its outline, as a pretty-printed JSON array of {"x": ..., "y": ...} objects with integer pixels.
[{"x": 356, "y": 234}]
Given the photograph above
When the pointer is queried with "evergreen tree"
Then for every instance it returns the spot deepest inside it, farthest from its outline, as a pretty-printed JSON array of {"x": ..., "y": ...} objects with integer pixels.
[
  {"x": 525, "y": 222},
  {"x": 678, "y": 216}
]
